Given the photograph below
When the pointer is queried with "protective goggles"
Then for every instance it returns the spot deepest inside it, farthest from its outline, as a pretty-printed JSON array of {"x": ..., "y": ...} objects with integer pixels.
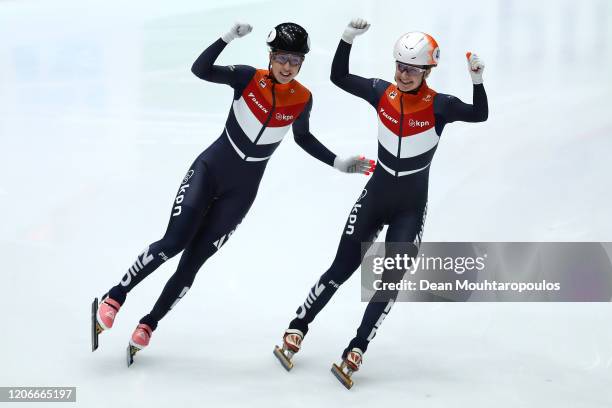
[
  {"x": 409, "y": 69},
  {"x": 283, "y": 58}
]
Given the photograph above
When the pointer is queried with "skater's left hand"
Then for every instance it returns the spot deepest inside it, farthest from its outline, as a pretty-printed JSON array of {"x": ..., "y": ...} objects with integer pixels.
[
  {"x": 355, "y": 164},
  {"x": 475, "y": 66}
]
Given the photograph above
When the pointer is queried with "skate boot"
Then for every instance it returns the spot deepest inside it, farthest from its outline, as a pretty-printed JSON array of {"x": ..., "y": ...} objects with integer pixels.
[
  {"x": 102, "y": 318},
  {"x": 292, "y": 340},
  {"x": 350, "y": 364},
  {"x": 140, "y": 339}
]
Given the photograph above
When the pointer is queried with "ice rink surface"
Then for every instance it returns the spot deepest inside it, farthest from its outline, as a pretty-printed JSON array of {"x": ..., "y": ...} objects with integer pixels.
[{"x": 100, "y": 117}]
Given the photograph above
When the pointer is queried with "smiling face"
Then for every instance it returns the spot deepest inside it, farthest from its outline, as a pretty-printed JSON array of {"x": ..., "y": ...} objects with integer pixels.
[
  {"x": 409, "y": 77},
  {"x": 285, "y": 66}
]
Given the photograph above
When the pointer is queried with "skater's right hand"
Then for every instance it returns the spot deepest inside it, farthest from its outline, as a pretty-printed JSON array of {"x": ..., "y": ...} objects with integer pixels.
[
  {"x": 355, "y": 164},
  {"x": 238, "y": 30},
  {"x": 356, "y": 27}
]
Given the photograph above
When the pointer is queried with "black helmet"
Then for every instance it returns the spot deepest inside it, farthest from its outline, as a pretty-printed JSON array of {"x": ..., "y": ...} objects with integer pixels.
[{"x": 289, "y": 37}]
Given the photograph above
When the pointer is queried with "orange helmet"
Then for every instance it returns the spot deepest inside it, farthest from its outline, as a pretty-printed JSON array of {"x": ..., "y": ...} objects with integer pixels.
[{"x": 417, "y": 48}]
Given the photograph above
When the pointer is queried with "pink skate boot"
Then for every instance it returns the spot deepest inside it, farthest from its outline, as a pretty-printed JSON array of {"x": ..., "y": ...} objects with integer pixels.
[
  {"x": 107, "y": 311},
  {"x": 140, "y": 339},
  {"x": 102, "y": 318}
]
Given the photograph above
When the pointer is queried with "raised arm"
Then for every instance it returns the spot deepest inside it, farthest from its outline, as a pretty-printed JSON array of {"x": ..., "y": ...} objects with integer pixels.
[
  {"x": 453, "y": 109},
  {"x": 312, "y": 146},
  {"x": 340, "y": 76},
  {"x": 204, "y": 67}
]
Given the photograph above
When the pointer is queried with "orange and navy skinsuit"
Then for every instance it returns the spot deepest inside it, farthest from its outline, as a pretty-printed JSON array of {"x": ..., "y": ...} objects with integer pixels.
[
  {"x": 409, "y": 129},
  {"x": 262, "y": 110},
  {"x": 219, "y": 188}
]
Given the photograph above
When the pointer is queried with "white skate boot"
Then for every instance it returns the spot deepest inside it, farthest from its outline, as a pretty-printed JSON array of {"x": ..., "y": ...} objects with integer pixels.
[
  {"x": 292, "y": 340},
  {"x": 349, "y": 365}
]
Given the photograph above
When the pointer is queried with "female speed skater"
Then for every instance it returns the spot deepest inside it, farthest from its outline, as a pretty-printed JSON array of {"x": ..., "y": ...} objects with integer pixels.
[
  {"x": 221, "y": 185},
  {"x": 410, "y": 117}
]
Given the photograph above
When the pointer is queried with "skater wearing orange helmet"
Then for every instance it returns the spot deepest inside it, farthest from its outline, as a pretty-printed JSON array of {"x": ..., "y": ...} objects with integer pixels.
[{"x": 411, "y": 117}]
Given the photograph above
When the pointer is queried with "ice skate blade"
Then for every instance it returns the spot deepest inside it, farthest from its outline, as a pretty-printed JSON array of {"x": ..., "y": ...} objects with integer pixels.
[
  {"x": 278, "y": 352},
  {"x": 130, "y": 353},
  {"x": 341, "y": 376},
  {"x": 95, "y": 327}
]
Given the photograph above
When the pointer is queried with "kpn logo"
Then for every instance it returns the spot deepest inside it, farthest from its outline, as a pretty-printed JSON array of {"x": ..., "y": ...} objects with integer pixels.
[{"x": 418, "y": 123}]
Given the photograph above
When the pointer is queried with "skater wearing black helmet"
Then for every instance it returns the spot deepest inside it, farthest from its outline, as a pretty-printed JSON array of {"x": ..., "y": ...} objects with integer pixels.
[{"x": 220, "y": 186}]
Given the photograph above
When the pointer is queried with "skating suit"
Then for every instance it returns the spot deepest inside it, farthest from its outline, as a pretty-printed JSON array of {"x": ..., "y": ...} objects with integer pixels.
[
  {"x": 409, "y": 128},
  {"x": 220, "y": 186}
]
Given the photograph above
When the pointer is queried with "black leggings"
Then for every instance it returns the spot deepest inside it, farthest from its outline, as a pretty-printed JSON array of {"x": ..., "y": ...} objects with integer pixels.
[
  {"x": 400, "y": 202},
  {"x": 213, "y": 198}
]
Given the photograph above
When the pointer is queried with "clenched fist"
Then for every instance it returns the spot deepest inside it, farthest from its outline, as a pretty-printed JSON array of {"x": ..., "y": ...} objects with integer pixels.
[
  {"x": 238, "y": 30},
  {"x": 356, "y": 27},
  {"x": 476, "y": 67}
]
